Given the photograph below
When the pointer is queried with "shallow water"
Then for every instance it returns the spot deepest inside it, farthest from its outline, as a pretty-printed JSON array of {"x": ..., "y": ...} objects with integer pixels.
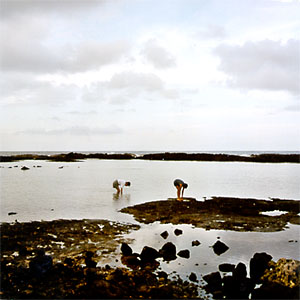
[{"x": 83, "y": 190}]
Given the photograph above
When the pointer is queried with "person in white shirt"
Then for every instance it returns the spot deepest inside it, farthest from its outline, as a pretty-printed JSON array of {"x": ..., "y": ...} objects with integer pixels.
[{"x": 119, "y": 184}]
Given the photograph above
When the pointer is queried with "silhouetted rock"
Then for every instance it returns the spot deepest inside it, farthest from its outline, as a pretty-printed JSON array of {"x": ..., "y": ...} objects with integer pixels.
[
  {"x": 178, "y": 231},
  {"x": 24, "y": 168},
  {"x": 89, "y": 262},
  {"x": 226, "y": 267},
  {"x": 235, "y": 288},
  {"x": 220, "y": 247},
  {"x": 184, "y": 253},
  {"x": 149, "y": 254},
  {"x": 240, "y": 271},
  {"x": 126, "y": 249},
  {"x": 193, "y": 277},
  {"x": 164, "y": 234},
  {"x": 258, "y": 264},
  {"x": 214, "y": 281},
  {"x": 275, "y": 291},
  {"x": 195, "y": 243},
  {"x": 168, "y": 251}
]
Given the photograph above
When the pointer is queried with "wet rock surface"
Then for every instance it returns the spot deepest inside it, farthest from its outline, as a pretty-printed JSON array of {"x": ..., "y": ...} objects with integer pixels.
[
  {"x": 61, "y": 239},
  {"x": 237, "y": 214},
  {"x": 60, "y": 259},
  {"x": 65, "y": 259}
]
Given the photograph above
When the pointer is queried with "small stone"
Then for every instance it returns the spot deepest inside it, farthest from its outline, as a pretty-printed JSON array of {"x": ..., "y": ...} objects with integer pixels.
[
  {"x": 164, "y": 234},
  {"x": 178, "y": 231},
  {"x": 184, "y": 253},
  {"x": 195, "y": 243}
]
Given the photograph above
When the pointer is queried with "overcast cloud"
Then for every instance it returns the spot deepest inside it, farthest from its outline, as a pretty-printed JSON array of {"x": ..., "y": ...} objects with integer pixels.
[
  {"x": 269, "y": 65},
  {"x": 149, "y": 75}
]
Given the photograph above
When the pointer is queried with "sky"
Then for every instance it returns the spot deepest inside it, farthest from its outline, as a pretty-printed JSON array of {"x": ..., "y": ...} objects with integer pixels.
[{"x": 142, "y": 75}]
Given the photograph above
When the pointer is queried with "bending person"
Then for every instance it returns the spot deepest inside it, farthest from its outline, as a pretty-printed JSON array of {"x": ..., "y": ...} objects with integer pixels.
[
  {"x": 119, "y": 184},
  {"x": 180, "y": 186}
]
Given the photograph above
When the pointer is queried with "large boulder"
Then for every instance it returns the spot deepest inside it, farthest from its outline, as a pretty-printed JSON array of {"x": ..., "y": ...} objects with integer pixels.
[
  {"x": 258, "y": 264},
  {"x": 168, "y": 251},
  {"x": 125, "y": 249},
  {"x": 149, "y": 254},
  {"x": 220, "y": 248},
  {"x": 214, "y": 282}
]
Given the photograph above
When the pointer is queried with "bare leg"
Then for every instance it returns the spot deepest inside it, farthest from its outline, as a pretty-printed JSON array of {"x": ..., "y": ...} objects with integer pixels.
[
  {"x": 118, "y": 191},
  {"x": 178, "y": 193}
]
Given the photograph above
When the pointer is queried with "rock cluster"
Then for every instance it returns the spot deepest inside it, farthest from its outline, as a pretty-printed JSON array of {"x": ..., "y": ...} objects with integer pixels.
[
  {"x": 71, "y": 279},
  {"x": 279, "y": 280}
]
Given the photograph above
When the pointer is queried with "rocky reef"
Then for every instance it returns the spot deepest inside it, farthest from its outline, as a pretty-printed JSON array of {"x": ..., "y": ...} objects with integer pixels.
[
  {"x": 73, "y": 156},
  {"x": 223, "y": 213},
  {"x": 65, "y": 259}
]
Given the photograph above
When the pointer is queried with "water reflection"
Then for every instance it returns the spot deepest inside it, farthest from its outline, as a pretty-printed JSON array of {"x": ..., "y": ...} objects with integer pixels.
[{"x": 125, "y": 197}]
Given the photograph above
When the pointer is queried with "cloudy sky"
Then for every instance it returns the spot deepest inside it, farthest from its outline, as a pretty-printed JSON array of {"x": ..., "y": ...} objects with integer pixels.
[{"x": 168, "y": 75}]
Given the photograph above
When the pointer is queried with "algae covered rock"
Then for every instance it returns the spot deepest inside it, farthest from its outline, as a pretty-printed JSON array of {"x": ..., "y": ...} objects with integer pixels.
[{"x": 285, "y": 272}]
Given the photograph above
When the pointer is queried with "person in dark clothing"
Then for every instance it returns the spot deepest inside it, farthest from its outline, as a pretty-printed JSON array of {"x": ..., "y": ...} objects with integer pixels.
[{"x": 180, "y": 186}]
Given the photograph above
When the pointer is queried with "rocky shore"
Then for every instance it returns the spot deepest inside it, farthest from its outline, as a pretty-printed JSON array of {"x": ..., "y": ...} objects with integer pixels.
[
  {"x": 220, "y": 213},
  {"x": 66, "y": 259},
  {"x": 169, "y": 156}
]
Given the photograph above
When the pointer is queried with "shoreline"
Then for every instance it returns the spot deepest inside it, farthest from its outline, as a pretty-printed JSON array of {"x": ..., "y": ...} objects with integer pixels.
[
  {"x": 168, "y": 156},
  {"x": 78, "y": 250}
]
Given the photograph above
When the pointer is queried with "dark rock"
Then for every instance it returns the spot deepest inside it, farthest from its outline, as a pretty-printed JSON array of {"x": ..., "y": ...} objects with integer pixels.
[
  {"x": 220, "y": 248},
  {"x": 24, "y": 168},
  {"x": 164, "y": 234},
  {"x": 126, "y": 250},
  {"x": 178, "y": 231},
  {"x": 12, "y": 213},
  {"x": 149, "y": 254},
  {"x": 168, "y": 251},
  {"x": 195, "y": 243},
  {"x": 214, "y": 281},
  {"x": 258, "y": 264},
  {"x": 132, "y": 261},
  {"x": 240, "y": 271},
  {"x": 193, "y": 277},
  {"x": 237, "y": 288},
  {"x": 184, "y": 253},
  {"x": 226, "y": 267},
  {"x": 275, "y": 291},
  {"x": 40, "y": 264},
  {"x": 162, "y": 274},
  {"x": 89, "y": 262}
]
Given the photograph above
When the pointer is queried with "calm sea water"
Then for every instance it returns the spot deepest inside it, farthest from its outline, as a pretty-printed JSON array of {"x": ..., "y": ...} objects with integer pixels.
[{"x": 84, "y": 190}]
